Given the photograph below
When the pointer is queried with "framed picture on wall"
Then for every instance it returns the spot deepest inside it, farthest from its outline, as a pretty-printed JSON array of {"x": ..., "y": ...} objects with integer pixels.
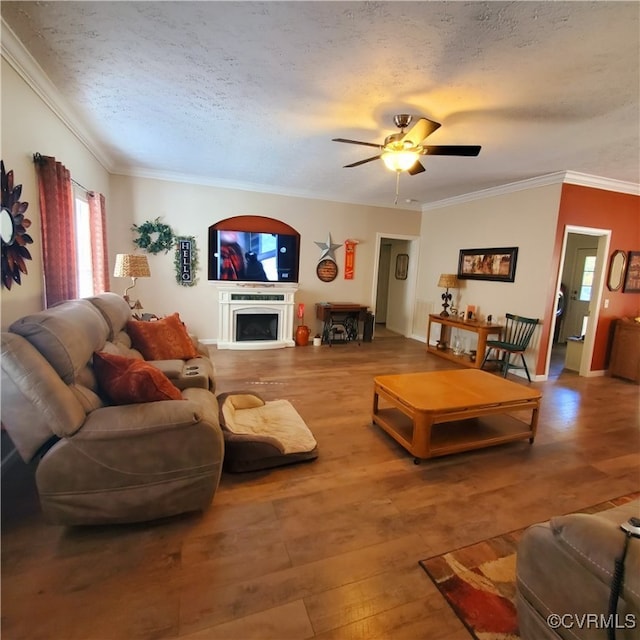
[
  {"x": 632, "y": 276},
  {"x": 488, "y": 264},
  {"x": 402, "y": 266}
]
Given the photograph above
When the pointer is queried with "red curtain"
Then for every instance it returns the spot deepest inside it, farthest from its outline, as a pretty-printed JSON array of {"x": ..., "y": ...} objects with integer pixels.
[
  {"x": 58, "y": 230},
  {"x": 100, "y": 262}
]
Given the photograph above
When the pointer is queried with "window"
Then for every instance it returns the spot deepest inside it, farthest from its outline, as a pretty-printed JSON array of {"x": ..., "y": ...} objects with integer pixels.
[
  {"x": 587, "y": 279},
  {"x": 84, "y": 265},
  {"x": 74, "y": 243}
]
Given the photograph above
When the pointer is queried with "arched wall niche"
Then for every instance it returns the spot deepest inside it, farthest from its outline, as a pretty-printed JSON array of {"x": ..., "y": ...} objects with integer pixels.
[{"x": 259, "y": 224}]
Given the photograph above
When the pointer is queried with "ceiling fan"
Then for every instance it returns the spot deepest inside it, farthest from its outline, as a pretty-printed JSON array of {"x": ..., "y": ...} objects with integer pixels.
[{"x": 400, "y": 151}]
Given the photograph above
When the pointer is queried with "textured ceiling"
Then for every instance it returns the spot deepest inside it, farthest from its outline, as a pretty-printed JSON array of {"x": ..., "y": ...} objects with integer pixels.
[{"x": 249, "y": 94}]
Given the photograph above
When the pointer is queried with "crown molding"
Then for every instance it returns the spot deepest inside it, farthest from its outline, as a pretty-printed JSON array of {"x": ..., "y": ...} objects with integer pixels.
[
  {"x": 169, "y": 176},
  {"x": 16, "y": 55},
  {"x": 597, "y": 182},
  {"x": 559, "y": 177},
  {"x": 521, "y": 185}
]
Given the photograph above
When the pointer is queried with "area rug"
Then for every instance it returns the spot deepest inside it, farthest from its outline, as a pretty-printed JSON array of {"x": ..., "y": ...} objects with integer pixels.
[{"x": 479, "y": 581}]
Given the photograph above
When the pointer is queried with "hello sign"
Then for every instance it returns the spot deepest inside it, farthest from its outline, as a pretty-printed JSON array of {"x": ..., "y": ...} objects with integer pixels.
[{"x": 186, "y": 261}]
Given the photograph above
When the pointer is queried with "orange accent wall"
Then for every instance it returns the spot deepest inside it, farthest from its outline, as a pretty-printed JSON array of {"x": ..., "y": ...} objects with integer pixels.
[{"x": 619, "y": 212}]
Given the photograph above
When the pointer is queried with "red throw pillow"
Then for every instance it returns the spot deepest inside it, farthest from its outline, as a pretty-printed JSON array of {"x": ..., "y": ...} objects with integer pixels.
[
  {"x": 129, "y": 380},
  {"x": 165, "y": 339}
]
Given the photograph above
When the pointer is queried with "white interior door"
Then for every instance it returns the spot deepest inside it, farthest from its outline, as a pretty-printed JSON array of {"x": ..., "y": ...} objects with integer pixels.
[{"x": 580, "y": 293}]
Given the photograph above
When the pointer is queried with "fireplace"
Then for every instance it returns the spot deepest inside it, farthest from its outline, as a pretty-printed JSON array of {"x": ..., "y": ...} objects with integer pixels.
[
  {"x": 255, "y": 316},
  {"x": 256, "y": 326}
]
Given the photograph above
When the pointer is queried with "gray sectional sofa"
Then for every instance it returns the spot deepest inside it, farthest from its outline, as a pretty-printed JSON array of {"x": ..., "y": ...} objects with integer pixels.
[{"x": 101, "y": 462}]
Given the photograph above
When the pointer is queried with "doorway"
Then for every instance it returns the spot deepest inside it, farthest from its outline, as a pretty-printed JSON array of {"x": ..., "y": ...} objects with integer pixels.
[
  {"x": 580, "y": 283},
  {"x": 394, "y": 283}
]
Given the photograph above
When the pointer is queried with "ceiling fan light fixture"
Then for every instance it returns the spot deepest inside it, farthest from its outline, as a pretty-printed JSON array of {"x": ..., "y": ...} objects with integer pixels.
[
  {"x": 399, "y": 160},
  {"x": 401, "y": 151}
]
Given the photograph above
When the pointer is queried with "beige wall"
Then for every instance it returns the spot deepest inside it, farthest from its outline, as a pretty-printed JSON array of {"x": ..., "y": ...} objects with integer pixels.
[
  {"x": 524, "y": 219},
  {"x": 190, "y": 209},
  {"x": 29, "y": 126}
]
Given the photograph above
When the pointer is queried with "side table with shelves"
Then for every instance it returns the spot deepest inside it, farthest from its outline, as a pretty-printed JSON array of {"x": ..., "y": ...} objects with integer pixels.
[{"x": 443, "y": 349}]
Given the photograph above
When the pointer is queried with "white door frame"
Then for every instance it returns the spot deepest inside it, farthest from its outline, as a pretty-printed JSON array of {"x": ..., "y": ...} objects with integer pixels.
[
  {"x": 604, "y": 241},
  {"x": 412, "y": 273}
]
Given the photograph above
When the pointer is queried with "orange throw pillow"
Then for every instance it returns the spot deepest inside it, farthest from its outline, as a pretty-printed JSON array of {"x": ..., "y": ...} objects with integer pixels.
[
  {"x": 129, "y": 380},
  {"x": 165, "y": 339}
]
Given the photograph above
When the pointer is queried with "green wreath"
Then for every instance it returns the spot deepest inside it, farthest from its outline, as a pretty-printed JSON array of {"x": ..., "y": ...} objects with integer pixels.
[
  {"x": 163, "y": 242},
  {"x": 177, "y": 262}
]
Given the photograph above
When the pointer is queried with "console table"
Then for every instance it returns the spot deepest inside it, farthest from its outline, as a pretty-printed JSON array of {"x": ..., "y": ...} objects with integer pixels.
[
  {"x": 343, "y": 315},
  {"x": 482, "y": 329}
]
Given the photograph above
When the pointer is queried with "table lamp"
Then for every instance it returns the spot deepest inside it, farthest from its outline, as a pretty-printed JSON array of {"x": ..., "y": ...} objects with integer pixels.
[
  {"x": 447, "y": 281},
  {"x": 131, "y": 265}
]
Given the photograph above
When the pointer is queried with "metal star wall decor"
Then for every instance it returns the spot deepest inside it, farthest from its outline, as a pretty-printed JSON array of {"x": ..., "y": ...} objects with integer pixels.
[{"x": 328, "y": 249}]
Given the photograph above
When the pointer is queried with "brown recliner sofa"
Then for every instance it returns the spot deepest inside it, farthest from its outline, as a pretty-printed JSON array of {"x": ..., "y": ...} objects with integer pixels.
[
  {"x": 99, "y": 462},
  {"x": 564, "y": 572}
]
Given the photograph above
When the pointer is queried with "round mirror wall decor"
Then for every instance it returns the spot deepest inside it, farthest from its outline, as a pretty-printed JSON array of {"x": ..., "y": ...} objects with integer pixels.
[{"x": 13, "y": 231}]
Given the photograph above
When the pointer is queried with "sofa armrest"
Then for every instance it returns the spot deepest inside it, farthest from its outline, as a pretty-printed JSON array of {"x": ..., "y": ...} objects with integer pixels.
[
  {"x": 134, "y": 444},
  {"x": 121, "y": 421},
  {"x": 132, "y": 463},
  {"x": 36, "y": 403},
  {"x": 170, "y": 368},
  {"x": 195, "y": 372},
  {"x": 596, "y": 542}
]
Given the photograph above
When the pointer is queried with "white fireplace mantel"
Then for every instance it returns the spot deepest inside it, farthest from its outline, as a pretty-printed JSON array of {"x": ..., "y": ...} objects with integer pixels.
[{"x": 234, "y": 299}]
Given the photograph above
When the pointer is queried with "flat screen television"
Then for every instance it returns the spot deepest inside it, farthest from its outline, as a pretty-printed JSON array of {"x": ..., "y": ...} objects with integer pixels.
[{"x": 236, "y": 254}]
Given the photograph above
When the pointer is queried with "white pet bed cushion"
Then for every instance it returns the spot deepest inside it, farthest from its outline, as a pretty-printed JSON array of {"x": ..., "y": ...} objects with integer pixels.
[{"x": 261, "y": 434}]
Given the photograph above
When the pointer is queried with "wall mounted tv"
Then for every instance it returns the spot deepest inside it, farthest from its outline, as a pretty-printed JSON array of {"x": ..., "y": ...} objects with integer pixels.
[{"x": 253, "y": 249}]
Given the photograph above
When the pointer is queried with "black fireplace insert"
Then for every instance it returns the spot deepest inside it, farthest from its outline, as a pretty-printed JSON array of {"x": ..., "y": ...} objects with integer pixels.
[{"x": 256, "y": 326}]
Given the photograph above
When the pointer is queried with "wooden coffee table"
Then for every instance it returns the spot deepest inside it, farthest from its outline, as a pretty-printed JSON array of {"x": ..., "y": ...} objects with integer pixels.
[{"x": 437, "y": 413}]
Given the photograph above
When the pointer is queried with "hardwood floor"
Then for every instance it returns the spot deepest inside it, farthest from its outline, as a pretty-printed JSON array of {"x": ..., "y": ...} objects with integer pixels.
[{"x": 327, "y": 549}]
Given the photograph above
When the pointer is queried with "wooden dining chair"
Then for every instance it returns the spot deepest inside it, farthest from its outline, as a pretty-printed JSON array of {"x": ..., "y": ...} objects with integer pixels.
[{"x": 514, "y": 341}]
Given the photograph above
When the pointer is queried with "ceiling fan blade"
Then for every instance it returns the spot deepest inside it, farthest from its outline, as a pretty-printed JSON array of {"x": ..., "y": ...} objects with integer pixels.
[
  {"x": 415, "y": 169},
  {"x": 357, "y": 164},
  {"x": 366, "y": 144},
  {"x": 420, "y": 130},
  {"x": 452, "y": 150}
]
